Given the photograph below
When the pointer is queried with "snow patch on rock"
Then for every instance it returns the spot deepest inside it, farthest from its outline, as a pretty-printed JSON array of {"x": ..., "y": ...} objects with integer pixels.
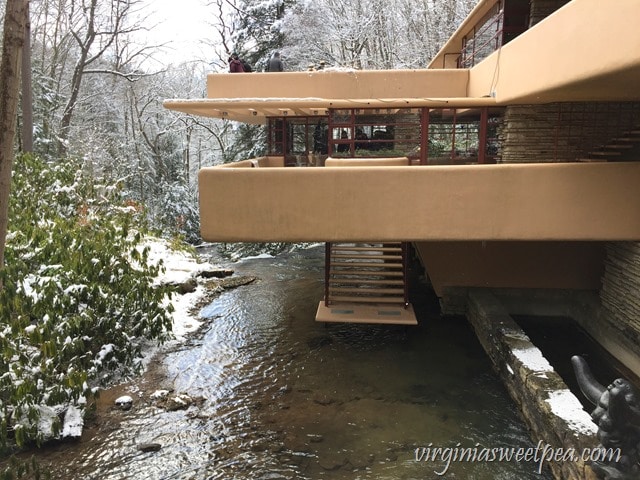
[
  {"x": 533, "y": 359},
  {"x": 565, "y": 405}
]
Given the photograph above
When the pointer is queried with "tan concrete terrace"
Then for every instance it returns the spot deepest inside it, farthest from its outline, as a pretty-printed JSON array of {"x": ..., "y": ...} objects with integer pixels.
[{"x": 566, "y": 201}]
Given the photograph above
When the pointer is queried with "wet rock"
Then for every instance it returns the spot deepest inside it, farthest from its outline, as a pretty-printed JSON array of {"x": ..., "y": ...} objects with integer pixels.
[
  {"x": 181, "y": 402},
  {"x": 315, "y": 438},
  {"x": 324, "y": 400},
  {"x": 276, "y": 447},
  {"x": 178, "y": 402},
  {"x": 124, "y": 402},
  {"x": 391, "y": 457},
  {"x": 299, "y": 462},
  {"x": 160, "y": 395},
  {"x": 217, "y": 273},
  {"x": 149, "y": 447},
  {"x": 360, "y": 462},
  {"x": 216, "y": 286},
  {"x": 272, "y": 476},
  {"x": 333, "y": 461},
  {"x": 285, "y": 389},
  {"x": 233, "y": 282},
  {"x": 296, "y": 444},
  {"x": 188, "y": 286},
  {"x": 258, "y": 445}
]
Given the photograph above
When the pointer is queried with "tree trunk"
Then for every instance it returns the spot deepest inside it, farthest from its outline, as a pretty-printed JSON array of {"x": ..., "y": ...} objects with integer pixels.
[
  {"x": 15, "y": 22},
  {"x": 27, "y": 92}
]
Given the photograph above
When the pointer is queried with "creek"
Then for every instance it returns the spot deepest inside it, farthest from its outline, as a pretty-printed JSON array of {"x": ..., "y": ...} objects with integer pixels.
[{"x": 280, "y": 396}]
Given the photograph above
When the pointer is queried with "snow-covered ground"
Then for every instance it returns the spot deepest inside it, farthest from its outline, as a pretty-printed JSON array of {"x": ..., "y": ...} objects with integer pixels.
[{"x": 180, "y": 267}]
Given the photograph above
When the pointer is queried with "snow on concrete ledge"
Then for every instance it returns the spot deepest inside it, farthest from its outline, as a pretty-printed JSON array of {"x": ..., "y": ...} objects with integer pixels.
[
  {"x": 532, "y": 358},
  {"x": 565, "y": 405}
]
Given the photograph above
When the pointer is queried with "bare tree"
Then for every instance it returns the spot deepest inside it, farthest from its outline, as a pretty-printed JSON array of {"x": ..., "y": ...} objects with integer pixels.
[
  {"x": 95, "y": 28},
  {"x": 373, "y": 34},
  {"x": 15, "y": 22}
]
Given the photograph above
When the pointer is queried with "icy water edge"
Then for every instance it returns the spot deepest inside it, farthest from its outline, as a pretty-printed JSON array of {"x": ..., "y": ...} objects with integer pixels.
[{"x": 279, "y": 396}]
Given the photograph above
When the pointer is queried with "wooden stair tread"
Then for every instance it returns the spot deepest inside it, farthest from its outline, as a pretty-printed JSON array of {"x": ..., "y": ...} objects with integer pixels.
[
  {"x": 367, "y": 249},
  {"x": 366, "y": 264},
  {"x": 365, "y": 281},
  {"x": 366, "y": 290},
  {"x": 372, "y": 273},
  {"x": 367, "y": 257},
  {"x": 363, "y": 299}
]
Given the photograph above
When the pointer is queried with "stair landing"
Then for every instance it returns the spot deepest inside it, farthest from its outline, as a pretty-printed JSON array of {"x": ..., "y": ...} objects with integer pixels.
[{"x": 357, "y": 313}]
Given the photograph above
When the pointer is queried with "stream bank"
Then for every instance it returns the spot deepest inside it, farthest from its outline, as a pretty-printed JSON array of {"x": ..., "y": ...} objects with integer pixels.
[{"x": 276, "y": 395}]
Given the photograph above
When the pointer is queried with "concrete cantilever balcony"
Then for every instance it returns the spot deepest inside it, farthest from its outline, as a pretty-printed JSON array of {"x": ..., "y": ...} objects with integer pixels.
[{"x": 568, "y": 201}]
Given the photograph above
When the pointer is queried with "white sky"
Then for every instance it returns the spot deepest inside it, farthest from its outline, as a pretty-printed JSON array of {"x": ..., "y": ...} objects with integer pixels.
[{"x": 182, "y": 25}]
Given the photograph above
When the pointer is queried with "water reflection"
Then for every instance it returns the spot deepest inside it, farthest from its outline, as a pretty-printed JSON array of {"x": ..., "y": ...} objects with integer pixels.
[{"x": 284, "y": 397}]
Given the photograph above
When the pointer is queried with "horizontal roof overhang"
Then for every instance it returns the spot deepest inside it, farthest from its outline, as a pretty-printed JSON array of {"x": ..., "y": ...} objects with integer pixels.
[
  {"x": 253, "y": 97},
  {"x": 256, "y": 110}
]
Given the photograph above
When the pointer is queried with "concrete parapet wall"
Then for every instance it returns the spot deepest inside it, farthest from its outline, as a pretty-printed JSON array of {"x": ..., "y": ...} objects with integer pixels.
[
  {"x": 553, "y": 413},
  {"x": 350, "y": 84},
  {"x": 460, "y": 202}
]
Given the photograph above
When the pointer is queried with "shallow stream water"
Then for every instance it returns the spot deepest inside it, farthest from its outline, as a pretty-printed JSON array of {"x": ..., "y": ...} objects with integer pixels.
[{"x": 280, "y": 396}]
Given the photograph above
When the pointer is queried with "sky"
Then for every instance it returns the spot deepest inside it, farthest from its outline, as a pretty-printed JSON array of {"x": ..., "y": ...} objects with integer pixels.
[{"x": 182, "y": 25}]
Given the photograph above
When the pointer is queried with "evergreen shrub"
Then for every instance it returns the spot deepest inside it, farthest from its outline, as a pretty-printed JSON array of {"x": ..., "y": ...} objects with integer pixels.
[{"x": 78, "y": 299}]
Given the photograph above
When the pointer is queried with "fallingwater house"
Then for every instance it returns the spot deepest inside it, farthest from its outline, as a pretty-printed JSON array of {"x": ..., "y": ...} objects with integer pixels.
[{"x": 510, "y": 165}]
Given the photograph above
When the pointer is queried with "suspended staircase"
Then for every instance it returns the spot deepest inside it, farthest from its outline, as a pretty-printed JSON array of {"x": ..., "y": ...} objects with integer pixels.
[{"x": 366, "y": 283}]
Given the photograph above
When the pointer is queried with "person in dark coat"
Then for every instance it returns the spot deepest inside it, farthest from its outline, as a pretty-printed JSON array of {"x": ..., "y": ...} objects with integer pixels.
[
  {"x": 235, "y": 65},
  {"x": 275, "y": 63}
]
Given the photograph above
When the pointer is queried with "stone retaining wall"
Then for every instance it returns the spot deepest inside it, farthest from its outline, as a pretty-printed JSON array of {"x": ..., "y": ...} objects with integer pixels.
[
  {"x": 620, "y": 293},
  {"x": 553, "y": 413}
]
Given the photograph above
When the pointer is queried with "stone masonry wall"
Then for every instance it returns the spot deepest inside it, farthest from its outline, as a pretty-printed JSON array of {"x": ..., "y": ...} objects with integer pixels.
[
  {"x": 540, "y": 9},
  {"x": 620, "y": 293},
  {"x": 562, "y": 132}
]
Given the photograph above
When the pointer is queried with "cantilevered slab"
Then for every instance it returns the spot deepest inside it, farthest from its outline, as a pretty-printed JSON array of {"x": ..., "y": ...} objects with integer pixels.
[
  {"x": 564, "y": 58},
  {"x": 252, "y": 97},
  {"x": 562, "y": 201},
  {"x": 357, "y": 313}
]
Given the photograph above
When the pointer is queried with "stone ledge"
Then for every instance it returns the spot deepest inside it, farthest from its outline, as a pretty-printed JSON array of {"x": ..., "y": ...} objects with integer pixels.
[{"x": 537, "y": 389}]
